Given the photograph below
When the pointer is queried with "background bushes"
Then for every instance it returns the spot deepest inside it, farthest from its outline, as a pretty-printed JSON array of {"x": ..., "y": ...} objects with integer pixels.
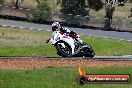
[{"x": 42, "y": 12}]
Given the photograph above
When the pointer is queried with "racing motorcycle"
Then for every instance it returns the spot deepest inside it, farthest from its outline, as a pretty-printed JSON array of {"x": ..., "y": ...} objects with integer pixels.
[{"x": 67, "y": 45}]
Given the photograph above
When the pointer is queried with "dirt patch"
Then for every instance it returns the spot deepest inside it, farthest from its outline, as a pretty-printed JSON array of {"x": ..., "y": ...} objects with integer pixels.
[{"x": 40, "y": 63}]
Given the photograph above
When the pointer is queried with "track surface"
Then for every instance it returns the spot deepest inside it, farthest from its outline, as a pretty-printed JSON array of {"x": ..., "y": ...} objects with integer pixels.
[
  {"x": 99, "y": 58},
  {"x": 89, "y": 32}
]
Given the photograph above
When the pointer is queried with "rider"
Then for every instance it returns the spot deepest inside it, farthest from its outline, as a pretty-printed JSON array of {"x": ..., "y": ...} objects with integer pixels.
[{"x": 56, "y": 26}]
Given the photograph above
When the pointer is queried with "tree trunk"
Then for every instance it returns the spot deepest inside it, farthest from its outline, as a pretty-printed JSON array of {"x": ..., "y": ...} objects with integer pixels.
[
  {"x": 38, "y": 1},
  {"x": 17, "y": 3},
  {"x": 108, "y": 17},
  {"x": 58, "y": 2}
]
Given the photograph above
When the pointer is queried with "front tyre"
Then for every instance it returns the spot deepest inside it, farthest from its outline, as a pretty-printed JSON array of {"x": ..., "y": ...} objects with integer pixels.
[{"x": 64, "y": 50}]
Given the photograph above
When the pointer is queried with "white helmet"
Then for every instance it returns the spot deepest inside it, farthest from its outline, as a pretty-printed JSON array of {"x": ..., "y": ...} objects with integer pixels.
[{"x": 56, "y": 26}]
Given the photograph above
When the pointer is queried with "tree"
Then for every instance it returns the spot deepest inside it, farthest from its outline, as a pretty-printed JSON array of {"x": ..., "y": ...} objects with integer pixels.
[
  {"x": 41, "y": 12},
  {"x": 73, "y": 10},
  {"x": 130, "y": 1},
  {"x": 95, "y": 4},
  {"x": 39, "y": 1},
  {"x": 1, "y": 1},
  {"x": 58, "y": 2},
  {"x": 98, "y": 5},
  {"x": 130, "y": 13},
  {"x": 17, "y": 3},
  {"x": 109, "y": 8},
  {"x": 75, "y": 7}
]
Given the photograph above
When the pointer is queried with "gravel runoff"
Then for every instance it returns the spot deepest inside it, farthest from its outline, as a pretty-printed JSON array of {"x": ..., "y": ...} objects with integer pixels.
[{"x": 29, "y": 64}]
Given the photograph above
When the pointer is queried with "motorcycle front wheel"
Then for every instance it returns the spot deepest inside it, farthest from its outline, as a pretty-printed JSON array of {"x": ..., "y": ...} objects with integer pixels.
[{"x": 64, "y": 50}]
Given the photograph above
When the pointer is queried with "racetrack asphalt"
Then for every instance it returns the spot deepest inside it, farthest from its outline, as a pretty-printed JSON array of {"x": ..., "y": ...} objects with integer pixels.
[{"x": 89, "y": 32}]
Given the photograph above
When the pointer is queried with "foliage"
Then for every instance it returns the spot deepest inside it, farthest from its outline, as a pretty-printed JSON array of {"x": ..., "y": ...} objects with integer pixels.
[
  {"x": 75, "y": 7},
  {"x": 131, "y": 10},
  {"x": 1, "y": 1},
  {"x": 42, "y": 12},
  {"x": 39, "y": 1},
  {"x": 130, "y": 13},
  {"x": 95, "y": 4},
  {"x": 130, "y": 1},
  {"x": 71, "y": 8}
]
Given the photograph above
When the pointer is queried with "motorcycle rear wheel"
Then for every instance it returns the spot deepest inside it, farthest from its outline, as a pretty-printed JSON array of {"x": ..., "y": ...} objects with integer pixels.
[{"x": 88, "y": 51}]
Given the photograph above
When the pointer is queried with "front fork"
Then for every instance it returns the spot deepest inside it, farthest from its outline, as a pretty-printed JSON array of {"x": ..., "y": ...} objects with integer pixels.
[{"x": 78, "y": 46}]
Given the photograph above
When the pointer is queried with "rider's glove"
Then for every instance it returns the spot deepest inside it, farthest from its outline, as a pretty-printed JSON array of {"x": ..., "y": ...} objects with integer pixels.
[
  {"x": 72, "y": 32},
  {"x": 47, "y": 41}
]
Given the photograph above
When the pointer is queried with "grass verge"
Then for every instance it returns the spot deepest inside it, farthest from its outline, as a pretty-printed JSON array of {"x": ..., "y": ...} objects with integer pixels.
[
  {"x": 27, "y": 42},
  {"x": 56, "y": 77}
]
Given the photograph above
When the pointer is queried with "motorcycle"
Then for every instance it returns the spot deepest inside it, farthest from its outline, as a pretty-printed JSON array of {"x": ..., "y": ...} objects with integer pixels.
[{"x": 69, "y": 46}]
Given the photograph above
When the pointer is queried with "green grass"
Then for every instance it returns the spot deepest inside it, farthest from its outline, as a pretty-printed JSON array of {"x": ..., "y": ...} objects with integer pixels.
[
  {"x": 40, "y": 50},
  {"x": 55, "y": 77},
  {"x": 24, "y": 42},
  {"x": 27, "y": 42},
  {"x": 109, "y": 47}
]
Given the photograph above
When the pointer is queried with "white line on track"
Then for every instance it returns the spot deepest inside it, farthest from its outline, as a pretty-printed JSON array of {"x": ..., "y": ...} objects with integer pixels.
[
  {"x": 21, "y": 27},
  {"x": 13, "y": 26},
  {"x": 47, "y": 30},
  {"x": 4, "y": 25},
  {"x": 114, "y": 57},
  {"x": 39, "y": 29},
  {"x": 30, "y": 28}
]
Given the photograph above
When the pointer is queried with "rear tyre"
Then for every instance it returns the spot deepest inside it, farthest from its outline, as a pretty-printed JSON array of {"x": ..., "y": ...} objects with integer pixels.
[{"x": 88, "y": 51}]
